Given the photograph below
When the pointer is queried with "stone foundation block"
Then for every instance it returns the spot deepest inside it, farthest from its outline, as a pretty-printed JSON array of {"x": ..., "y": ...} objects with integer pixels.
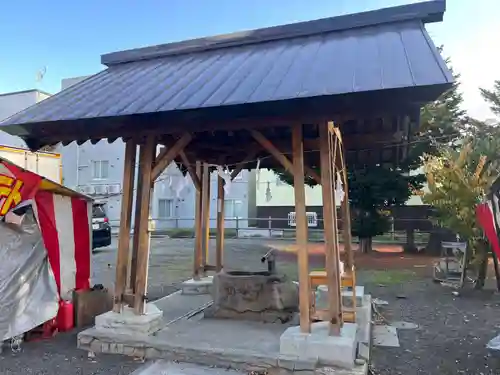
[
  {"x": 195, "y": 287},
  {"x": 319, "y": 346},
  {"x": 127, "y": 323}
]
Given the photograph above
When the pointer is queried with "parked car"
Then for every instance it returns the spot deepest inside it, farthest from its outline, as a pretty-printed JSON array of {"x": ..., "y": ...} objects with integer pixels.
[{"x": 101, "y": 230}]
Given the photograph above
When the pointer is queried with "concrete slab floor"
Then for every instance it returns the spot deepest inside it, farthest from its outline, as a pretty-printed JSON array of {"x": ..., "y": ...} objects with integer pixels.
[
  {"x": 161, "y": 367},
  {"x": 241, "y": 345}
]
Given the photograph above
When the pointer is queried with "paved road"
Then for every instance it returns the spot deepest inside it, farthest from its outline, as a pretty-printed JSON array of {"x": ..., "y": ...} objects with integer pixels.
[{"x": 170, "y": 262}]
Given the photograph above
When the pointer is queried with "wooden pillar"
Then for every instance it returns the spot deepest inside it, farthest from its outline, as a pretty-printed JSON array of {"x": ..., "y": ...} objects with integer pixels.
[
  {"x": 141, "y": 184},
  {"x": 122, "y": 257},
  {"x": 330, "y": 232},
  {"x": 146, "y": 158},
  {"x": 205, "y": 215},
  {"x": 301, "y": 227},
  {"x": 198, "y": 251},
  {"x": 135, "y": 237},
  {"x": 219, "y": 246}
]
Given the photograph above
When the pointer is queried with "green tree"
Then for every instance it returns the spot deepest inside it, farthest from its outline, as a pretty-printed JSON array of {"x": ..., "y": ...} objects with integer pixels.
[
  {"x": 492, "y": 97},
  {"x": 457, "y": 183},
  {"x": 441, "y": 123}
]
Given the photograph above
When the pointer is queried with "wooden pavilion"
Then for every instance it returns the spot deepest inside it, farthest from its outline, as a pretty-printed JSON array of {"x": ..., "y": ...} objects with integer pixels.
[{"x": 279, "y": 97}]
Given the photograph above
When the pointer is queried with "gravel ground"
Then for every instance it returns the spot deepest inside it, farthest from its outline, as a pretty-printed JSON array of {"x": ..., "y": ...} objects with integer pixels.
[
  {"x": 452, "y": 334},
  {"x": 451, "y": 337}
]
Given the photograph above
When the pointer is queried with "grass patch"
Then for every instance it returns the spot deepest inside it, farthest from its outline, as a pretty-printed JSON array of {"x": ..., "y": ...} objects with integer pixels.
[{"x": 388, "y": 277}]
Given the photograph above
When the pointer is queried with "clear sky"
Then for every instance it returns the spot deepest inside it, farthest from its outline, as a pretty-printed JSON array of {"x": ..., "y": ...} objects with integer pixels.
[{"x": 68, "y": 36}]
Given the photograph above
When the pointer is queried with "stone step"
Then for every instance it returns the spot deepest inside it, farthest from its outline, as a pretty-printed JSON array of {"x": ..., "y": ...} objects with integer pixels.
[
  {"x": 202, "y": 286},
  {"x": 160, "y": 367}
]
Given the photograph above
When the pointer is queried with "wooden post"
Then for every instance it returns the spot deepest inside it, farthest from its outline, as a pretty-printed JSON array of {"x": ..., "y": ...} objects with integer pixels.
[
  {"x": 205, "y": 215},
  {"x": 198, "y": 252},
  {"x": 144, "y": 194},
  {"x": 135, "y": 237},
  {"x": 330, "y": 231},
  {"x": 138, "y": 204},
  {"x": 219, "y": 246},
  {"x": 122, "y": 257},
  {"x": 301, "y": 228}
]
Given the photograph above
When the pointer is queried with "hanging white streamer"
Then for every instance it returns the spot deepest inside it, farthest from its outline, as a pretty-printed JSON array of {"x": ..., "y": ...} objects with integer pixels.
[
  {"x": 181, "y": 185},
  {"x": 226, "y": 176},
  {"x": 258, "y": 173},
  {"x": 269, "y": 196},
  {"x": 339, "y": 190}
]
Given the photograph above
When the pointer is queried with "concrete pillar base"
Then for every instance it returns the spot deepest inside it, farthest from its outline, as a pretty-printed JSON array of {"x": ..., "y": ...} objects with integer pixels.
[
  {"x": 319, "y": 346},
  {"x": 127, "y": 323}
]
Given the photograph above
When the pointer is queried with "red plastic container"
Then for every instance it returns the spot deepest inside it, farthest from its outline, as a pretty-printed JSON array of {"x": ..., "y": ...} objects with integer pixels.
[{"x": 65, "y": 316}]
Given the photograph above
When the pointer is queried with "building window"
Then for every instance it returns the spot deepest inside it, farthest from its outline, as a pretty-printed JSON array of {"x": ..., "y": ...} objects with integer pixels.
[
  {"x": 232, "y": 208},
  {"x": 312, "y": 219},
  {"x": 165, "y": 208},
  {"x": 100, "y": 169}
]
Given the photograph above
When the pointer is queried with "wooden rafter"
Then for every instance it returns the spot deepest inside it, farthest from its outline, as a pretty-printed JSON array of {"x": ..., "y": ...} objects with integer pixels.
[
  {"x": 167, "y": 155},
  {"x": 190, "y": 169},
  {"x": 280, "y": 157}
]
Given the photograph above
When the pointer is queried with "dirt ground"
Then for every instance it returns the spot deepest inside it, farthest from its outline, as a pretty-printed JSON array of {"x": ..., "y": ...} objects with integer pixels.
[{"x": 451, "y": 338}]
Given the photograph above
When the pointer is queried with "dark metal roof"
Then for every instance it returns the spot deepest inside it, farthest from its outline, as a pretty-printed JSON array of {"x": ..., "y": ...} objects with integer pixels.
[{"x": 371, "y": 51}]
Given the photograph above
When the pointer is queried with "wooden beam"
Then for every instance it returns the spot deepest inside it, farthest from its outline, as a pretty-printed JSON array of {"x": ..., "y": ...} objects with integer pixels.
[
  {"x": 168, "y": 155},
  {"x": 330, "y": 232},
  {"x": 198, "y": 252},
  {"x": 144, "y": 195},
  {"x": 280, "y": 157},
  {"x": 205, "y": 218},
  {"x": 269, "y": 147},
  {"x": 219, "y": 241},
  {"x": 122, "y": 257},
  {"x": 301, "y": 228},
  {"x": 190, "y": 169},
  {"x": 252, "y": 154}
]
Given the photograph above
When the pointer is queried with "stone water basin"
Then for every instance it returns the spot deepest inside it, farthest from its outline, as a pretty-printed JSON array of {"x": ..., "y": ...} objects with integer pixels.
[{"x": 257, "y": 296}]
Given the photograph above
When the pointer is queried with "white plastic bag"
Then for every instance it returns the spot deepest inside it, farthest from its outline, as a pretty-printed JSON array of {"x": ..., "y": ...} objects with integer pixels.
[{"x": 494, "y": 343}]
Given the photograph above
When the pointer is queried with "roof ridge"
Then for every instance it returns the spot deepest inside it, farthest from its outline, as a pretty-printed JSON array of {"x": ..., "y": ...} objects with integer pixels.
[
  {"x": 428, "y": 11},
  {"x": 25, "y": 92}
]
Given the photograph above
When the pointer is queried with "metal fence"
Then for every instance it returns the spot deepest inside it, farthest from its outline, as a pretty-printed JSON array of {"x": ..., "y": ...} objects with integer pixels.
[{"x": 275, "y": 228}]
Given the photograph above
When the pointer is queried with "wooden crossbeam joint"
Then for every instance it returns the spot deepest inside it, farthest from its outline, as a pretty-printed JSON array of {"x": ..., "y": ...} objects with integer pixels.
[
  {"x": 168, "y": 155},
  {"x": 190, "y": 169},
  {"x": 280, "y": 157}
]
